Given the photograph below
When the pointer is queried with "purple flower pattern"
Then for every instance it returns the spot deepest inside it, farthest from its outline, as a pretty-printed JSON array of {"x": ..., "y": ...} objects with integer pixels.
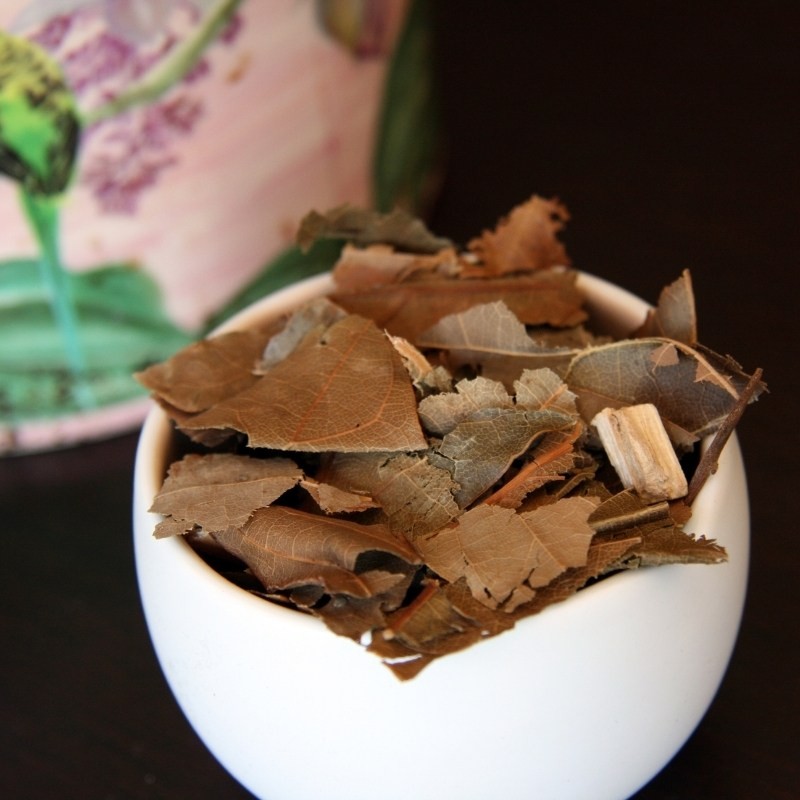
[{"x": 123, "y": 156}]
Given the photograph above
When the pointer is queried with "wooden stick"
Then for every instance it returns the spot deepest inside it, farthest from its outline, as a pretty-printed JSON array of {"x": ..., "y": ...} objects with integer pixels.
[{"x": 641, "y": 452}]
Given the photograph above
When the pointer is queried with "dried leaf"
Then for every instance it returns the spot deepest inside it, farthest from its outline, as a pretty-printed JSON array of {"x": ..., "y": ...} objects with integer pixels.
[
  {"x": 542, "y": 389},
  {"x": 397, "y": 228},
  {"x": 484, "y": 428},
  {"x": 416, "y": 496},
  {"x": 548, "y": 297},
  {"x": 363, "y": 268},
  {"x": 441, "y": 620},
  {"x": 732, "y": 371},
  {"x": 691, "y": 396},
  {"x": 440, "y": 413},
  {"x": 220, "y": 490},
  {"x": 486, "y": 328},
  {"x": 449, "y": 618},
  {"x": 551, "y": 460},
  {"x": 498, "y": 550},
  {"x": 356, "y": 616},
  {"x": 308, "y": 322},
  {"x": 492, "y": 340},
  {"x": 479, "y": 450},
  {"x": 206, "y": 372},
  {"x": 674, "y": 317},
  {"x": 431, "y": 624},
  {"x": 286, "y": 548},
  {"x": 599, "y": 559},
  {"x": 671, "y": 545},
  {"x": 660, "y": 538},
  {"x": 333, "y": 500},
  {"x": 626, "y": 512},
  {"x": 306, "y": 402},
  {"x": 525, "y": 240},
  {"x": 425, "y": 377}
]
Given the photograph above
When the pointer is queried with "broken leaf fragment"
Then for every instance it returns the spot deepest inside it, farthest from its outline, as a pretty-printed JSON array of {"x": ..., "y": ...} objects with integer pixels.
[
  {"x": 220, "y": 490},
  {"x": 360, "y": 226},
  {"x": 674, "y": 317},
  {"x": 416, "y": 495},
  {"x": 660, "y": 536},
  {"x": 501, "y": 553},
  {"x": 525, "y": 240}
]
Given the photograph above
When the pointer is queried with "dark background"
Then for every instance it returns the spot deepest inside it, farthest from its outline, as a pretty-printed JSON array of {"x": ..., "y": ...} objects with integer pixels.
[{"x": 670, "y": 131}]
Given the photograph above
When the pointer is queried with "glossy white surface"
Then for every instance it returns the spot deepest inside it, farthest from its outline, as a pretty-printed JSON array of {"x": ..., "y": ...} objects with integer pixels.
[{"x": 589, "y": 699}]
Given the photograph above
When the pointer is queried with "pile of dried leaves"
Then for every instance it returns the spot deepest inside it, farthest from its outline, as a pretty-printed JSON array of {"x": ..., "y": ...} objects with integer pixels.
[{"x": 413, "y": 460}]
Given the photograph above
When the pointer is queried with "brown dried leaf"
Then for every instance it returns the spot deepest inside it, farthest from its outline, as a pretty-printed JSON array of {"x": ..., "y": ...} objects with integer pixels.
[
  {"x": 219, "y": 490},
  {"x": 365, "y": 227},
  {"x": 479, "y": 450},
  {"x": 440, "y": 413},
  {"x": 310, "y": 321},
  {"x": 731, "y": 369},
  {"x": 498, "y": 550},
  {"x": 416, "y": 496},
  {"x": 551, "y": 460},
  {"x": 431, "y": 624},
  {"x": 661, "y": 538},
  {"x": 441, "y": 620},
  {"x": 671, "y": 545},
  {"x": 601, "y": 556},
  {"x": 206, "y": 372},
  {"x": 542, "y": 389},
  {"x": 489, "y": 327},
  {"x": 333, "y": 500},
  {"x": 362, "y": 268},
  {"x": 491, "y": 339},
  {"x": 628, "y": 513},
  {"x": 674, "y": 317},
  {"x": 691, "y": 396},
  {"x": 286, "y": 548},
  {"x": 527, "y": 239},
  {"x": 355, "y": 616},
  {"x": 346, "y": 391},
  {"x": 548, "y": 297},
  {"x": 448, "y": 618}
]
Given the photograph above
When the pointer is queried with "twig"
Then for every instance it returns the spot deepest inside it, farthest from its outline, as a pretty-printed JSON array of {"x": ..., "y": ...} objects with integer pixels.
[{"x": 708, "y": 462}]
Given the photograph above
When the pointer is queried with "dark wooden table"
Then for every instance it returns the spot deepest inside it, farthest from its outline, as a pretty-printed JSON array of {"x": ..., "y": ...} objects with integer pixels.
[{"x": 670, "y": 131}]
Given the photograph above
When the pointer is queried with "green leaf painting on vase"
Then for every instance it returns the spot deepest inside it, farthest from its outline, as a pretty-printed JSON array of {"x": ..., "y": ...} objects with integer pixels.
[{"x": 70, "y": 341}]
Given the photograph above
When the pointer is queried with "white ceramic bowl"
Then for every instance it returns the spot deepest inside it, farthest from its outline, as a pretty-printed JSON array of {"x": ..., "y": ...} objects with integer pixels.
[{"x": 589, "y": 699}]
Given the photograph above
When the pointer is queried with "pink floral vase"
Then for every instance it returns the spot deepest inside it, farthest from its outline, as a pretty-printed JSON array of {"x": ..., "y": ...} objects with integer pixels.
[{"x": 156, "y": 157}]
